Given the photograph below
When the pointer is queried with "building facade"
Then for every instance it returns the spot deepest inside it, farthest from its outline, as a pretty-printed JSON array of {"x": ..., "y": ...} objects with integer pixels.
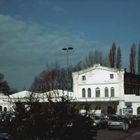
[
  {"x": 4, "y": 102},
  {"x": 7, "y": 103},
  {"x": 105, "y": 89},
  {"x": 101, "y": 89}
]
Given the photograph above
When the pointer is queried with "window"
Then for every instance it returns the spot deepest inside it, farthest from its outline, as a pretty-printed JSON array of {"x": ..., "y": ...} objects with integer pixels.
[
  {"x": 84, "y": 77},
  {"x": 83, "y": 92},
  {"x": 5, "y": 109},
  {"x": 106, "y": 92},
  {"x": 111, "y": 76},
  {"x": 0, "y": 108},
  {"x": 112, "y": 92},
  {"x": 97, "y": 91},
  {"x": 89, "y": 92}
]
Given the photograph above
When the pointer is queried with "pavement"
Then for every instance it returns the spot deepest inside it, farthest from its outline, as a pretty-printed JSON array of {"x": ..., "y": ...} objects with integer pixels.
[
  {"x": 105, "y": 134},
  {"x": 131, "y": 134},
  {"x": 134, "y": 136}
]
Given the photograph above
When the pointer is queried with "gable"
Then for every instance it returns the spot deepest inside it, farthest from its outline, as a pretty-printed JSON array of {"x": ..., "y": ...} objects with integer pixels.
[{"x": 98, "y": 74}]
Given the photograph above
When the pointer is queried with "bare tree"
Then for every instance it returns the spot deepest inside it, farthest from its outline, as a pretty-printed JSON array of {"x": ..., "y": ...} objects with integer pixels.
[
  {"x": 92, "y": 58},
  {"x": 133, "y": 59},
  {"x": 4, "y": 87},
  {"x": 119, "y": 58},
  {"x": 53, "y": 78}
]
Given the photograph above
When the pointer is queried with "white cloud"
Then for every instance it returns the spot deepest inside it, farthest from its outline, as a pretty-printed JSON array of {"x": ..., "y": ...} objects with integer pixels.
[{"x": 27, "y": 45}]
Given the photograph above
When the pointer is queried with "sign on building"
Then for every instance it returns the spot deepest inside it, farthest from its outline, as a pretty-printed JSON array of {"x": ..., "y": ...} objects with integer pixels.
[{"x": 127, "y": 111}]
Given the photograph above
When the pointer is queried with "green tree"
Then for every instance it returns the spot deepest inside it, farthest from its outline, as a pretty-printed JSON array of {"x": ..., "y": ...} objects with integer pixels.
[{"x": 50, "y": 121}]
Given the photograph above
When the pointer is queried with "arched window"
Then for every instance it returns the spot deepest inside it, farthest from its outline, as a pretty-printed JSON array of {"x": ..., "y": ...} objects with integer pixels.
[
  {"x": 5, "y": 109},
  {"x": 0, "y": 108},
  {"x": 112, "y": 92},
  {"x": 106, "y": 92},
  {"x": 83, "y": 92},
  {"x": 89, "y": 92},
  {"x": 97, "y": 91}
]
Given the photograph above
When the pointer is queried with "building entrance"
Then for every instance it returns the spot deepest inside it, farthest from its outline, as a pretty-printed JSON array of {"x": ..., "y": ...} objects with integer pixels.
[
  {"x": 105, "y": 107},
  {"x": 138, "y": 110}
]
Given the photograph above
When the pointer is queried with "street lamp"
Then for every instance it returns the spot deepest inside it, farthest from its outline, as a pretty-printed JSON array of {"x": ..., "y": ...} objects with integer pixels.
[
  {"x": 67, "y": 53},
  {"x": 67, "y": 49}
]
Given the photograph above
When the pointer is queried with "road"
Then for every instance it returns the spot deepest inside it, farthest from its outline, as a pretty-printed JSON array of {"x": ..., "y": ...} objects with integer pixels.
[
  {"x": 105, "y": 134},
  {"x": 134, "y": 136}
]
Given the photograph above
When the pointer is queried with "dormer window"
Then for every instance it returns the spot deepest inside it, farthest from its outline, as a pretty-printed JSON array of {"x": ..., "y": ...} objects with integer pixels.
[
  {"x": 111, "y": 76},
  {"x": 83, "y": 77}
]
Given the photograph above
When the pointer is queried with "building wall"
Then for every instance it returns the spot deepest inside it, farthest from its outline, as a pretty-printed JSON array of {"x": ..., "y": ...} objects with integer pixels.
[
  {"x": 4, "y": 102},
  {"x": 98, "y": 77},
  {"x": 132, "y": 83},
  {"x": 134, "y": 101}
]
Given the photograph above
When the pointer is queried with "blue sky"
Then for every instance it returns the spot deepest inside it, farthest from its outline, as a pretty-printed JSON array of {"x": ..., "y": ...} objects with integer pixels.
[{"x": 33, "y": 33}]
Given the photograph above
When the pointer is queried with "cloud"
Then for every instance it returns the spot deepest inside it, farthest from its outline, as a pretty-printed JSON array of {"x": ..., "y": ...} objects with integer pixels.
[{"x": 27, "y": 47}]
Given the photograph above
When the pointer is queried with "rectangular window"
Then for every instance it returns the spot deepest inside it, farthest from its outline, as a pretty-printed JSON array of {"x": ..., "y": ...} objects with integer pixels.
[
  {"x": 111, "y": 76},
  {"x": 84, "y": 77}
]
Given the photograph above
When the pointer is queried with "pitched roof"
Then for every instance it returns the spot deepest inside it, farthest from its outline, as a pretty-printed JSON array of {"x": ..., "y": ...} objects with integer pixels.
[{"x": 98, "y": 66}]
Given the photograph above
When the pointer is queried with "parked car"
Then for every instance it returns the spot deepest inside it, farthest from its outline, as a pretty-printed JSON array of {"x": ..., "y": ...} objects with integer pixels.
[
  {"x": 6, "y": 119},
  {"x": 101, "y": 121},
  {"x": 5, "y": 136},
  {"x": 7, "y": 116},
  {"x": 115, "y": 122}
]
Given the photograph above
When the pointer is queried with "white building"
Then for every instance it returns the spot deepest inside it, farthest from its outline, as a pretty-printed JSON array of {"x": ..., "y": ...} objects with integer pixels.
[
  {"x": 104, "y": 88},
  {"x": 4, "y": 105},
  {"x": 25, "y": 95},
  {"x": 8, "y": 102}
]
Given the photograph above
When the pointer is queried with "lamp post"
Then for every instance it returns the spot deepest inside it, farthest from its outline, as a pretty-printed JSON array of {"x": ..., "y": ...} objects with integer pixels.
[
  {"x": 67, "y": 49},
  {"x": 67, "y": 53}
]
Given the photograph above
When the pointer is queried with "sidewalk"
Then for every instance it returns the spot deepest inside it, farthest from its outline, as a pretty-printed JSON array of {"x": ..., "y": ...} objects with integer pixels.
[
  {"x": 130, "y": 132},
  {"x": 105, "y": 134}
]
